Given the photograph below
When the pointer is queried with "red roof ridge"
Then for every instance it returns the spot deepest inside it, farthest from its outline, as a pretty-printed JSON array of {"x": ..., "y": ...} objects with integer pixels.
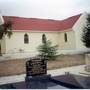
[
  {"x": 42, "y": 18},
  {"x": 31, "y": 18}
]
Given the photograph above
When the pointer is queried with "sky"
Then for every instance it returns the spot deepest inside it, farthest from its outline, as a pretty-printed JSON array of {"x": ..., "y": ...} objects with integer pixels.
[{"x": 48, "y": 9}]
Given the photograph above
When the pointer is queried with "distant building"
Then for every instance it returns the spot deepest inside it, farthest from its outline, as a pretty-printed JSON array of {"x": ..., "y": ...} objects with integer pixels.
[{"x": 27, "y": 33}]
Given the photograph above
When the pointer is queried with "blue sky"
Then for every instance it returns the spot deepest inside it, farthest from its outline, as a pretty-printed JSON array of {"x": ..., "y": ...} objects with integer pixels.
[{"x": 52, "y": 9}]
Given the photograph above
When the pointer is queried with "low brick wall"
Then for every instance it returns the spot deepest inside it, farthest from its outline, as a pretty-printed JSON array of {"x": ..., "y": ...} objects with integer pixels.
[
  {"x": 13, "y": 67},
  {"x": 67, "y": 61}
]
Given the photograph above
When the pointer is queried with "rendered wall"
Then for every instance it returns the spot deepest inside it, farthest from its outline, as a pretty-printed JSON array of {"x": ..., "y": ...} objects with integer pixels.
[
  {"x": 71, "y": 42},
  {"x": 3, "y": 45},
  {"x": 16, "y": 42},
  {"x": 2, "y": 41},
  {"x": 78, "y": 28}
]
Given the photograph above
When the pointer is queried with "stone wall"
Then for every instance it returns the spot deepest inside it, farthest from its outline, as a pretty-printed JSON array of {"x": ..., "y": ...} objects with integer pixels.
[
  {"x": 67, "y": 61},
  {"x": 12, "y": 67},
  {"x": 17, "y": 66}
]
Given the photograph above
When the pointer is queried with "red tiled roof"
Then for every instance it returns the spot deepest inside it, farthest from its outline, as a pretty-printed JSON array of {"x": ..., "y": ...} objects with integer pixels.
[{"x": 35, "y": 24}]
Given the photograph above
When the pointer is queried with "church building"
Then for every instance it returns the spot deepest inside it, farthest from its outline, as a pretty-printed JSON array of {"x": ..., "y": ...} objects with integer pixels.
[{"x": 27, "y": 33}]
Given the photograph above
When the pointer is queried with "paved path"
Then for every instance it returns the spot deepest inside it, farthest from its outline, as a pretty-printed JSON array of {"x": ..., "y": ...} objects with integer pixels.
[{"x": 17, "y": 78}]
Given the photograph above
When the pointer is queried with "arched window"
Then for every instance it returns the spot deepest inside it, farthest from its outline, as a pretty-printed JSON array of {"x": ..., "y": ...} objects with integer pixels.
[
  {"x": 65, "y": 37},
  {"x": 26, "y": 39}
]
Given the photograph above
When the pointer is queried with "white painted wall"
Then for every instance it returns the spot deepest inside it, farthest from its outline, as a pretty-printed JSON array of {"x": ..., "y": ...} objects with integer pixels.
[
  {"x": 2, "y": 41},
  {"x": 16, "y": 42},
  {"x": 71, "y": 42},
  {"x": 3, "y": 45},
  {"x": 78, "y": 28}
]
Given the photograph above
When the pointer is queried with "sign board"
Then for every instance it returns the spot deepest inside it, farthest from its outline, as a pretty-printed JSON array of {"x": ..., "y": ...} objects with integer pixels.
[{"x": 36, "y": 67}]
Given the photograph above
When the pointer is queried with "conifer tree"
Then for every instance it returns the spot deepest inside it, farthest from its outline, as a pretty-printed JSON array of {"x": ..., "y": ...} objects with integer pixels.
[
  {"x": 46, "y": 49},
  {"x": 86, "y": 33}
]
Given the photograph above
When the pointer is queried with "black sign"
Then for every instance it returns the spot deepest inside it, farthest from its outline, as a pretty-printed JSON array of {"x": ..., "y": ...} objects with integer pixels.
[{"x": 36, "y": 66}]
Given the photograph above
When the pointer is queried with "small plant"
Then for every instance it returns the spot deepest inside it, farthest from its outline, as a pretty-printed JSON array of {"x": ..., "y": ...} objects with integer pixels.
[{"x": 46, "y": 50}]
